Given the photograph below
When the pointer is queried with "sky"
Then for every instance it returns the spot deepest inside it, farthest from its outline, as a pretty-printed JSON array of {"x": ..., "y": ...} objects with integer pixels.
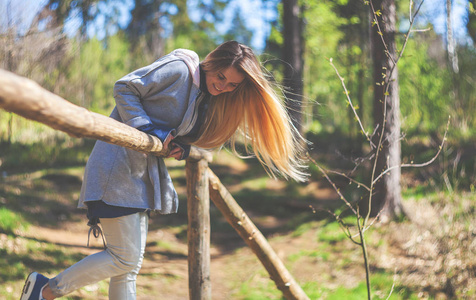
[
  {"x": 435, "y": 11},
  {"x": 253, "y": 11}
]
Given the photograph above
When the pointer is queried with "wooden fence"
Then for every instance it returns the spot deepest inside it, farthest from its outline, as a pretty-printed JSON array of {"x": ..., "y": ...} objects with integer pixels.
[{"x": 26, "y": 98}]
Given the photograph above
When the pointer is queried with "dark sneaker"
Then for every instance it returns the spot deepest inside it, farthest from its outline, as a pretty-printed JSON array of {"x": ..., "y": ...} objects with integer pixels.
[{"x": 33, "y": 287}]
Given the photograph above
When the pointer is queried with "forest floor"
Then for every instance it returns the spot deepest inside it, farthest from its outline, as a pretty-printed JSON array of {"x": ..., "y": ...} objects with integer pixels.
[{"x": 429, "y": 255}]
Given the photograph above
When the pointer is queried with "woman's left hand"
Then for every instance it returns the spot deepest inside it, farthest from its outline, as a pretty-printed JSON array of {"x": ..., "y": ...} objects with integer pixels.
[{"x": 175, "y": 151}]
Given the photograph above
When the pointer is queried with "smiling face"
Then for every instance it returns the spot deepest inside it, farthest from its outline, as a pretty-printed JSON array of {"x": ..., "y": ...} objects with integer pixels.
[{"x": 223, "y": 81}]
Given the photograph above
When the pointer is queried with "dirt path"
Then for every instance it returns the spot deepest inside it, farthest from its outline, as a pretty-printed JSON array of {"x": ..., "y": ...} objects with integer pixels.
[{"x": 315, "y": 252}]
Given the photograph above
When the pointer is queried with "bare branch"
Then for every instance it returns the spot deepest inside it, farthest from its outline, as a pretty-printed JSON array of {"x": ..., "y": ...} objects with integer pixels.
[
  {"x": 420, "y": 30},
  {"x": 411, "y": 165},
  {"x": 380, "y": 32},
  {"x": 351, "y": 104},
  {"x": 407, "y": 36},
  {"x": 359, "y": 184},
  {"x": 393, "y": 284},
  {"x": 341, "y": 223},
  {"x": 333, "y": 184},
  {"x": 364, "y": 229}
]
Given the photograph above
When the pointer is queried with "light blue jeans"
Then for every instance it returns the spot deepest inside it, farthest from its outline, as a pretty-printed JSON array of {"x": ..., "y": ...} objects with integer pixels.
[{"x": 121, "y": 261}]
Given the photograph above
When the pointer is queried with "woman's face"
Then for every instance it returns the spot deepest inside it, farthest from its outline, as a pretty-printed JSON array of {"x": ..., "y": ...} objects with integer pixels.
[{"x": 223, "y": 81}]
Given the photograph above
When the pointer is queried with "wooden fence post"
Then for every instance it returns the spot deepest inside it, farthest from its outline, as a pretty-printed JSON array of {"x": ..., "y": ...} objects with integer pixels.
[{"x": 198, "y": 209}]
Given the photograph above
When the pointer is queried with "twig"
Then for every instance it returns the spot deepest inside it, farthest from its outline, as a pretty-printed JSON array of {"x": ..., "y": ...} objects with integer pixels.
[
  {"x": 393, "y": 284},
  {"x": 380, "y": 31},
  {"x": 351, "y": 104},
  {"x": 371, "y": 223},
  {"x": 411, "y": 165},
  {"x": 421, "y": 30},
  {"x": 412, "y": 21},
  {"x": 332, "y": 183},
  {"x": 341, "y": 223},
  {"x": 365, "y": 254},
  {"x": 359, "y": 184}
]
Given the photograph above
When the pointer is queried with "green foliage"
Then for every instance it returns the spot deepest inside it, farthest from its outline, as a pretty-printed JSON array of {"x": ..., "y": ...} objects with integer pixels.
[
  {"x": 334, "y": 30},
  {"x": 93, "y": 73},
  {"x": 200, "y": 35},
  {"x": 424, "y": 89}
]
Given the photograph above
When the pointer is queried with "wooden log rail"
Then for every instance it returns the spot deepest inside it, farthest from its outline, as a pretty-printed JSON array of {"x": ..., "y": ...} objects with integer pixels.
[
  {"x": 26, "y": 98},
  {"x": 240, "y": 221}
]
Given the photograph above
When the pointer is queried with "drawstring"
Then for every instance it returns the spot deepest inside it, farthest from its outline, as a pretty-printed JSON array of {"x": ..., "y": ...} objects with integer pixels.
[{"x": 96, "y": 230}]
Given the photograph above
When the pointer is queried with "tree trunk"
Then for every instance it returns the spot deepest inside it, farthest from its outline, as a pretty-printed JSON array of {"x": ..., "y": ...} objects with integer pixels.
[
  {"x": 387, "y": 197},
  {"x": 293, "y": 61},
  {"x": 452, "y": 55},
  {"x": 144, "y": 31}
]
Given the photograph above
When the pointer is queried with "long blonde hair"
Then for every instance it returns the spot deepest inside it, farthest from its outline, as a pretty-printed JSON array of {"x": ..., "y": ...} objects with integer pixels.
[{"x": 254, "y": 109}]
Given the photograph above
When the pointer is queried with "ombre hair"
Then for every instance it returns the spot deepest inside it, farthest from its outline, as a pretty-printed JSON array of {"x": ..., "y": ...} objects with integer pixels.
[{"x": 254, "y": 109}]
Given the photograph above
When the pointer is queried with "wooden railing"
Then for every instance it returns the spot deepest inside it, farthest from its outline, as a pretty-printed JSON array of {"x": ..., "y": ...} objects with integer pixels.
[{"x": 26, "y": 98}]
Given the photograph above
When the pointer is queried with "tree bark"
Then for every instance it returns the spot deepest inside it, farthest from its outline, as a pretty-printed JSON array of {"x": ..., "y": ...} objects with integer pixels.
[
  {"x": 387, "y": 198},
  {"x": 293, "y": 60},
  {"x": 238, "y": 219}
]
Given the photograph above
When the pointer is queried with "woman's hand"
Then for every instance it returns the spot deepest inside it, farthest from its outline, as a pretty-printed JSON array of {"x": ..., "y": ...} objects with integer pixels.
[
  {"x": 167, "y": 141},
  {"x": 176, "y": 151}
]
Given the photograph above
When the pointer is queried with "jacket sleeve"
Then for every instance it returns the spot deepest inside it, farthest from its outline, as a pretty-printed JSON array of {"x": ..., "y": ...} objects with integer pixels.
[{"x": 146, "y": 84}]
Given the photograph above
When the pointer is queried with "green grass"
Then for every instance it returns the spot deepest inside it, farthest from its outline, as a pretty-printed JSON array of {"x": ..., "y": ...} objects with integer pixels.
[
  {"x": 257, "y": 287},
  {"x": 20, "y": 256},
  {"x": 381, "y": 287},
  {"x": 324, "y": 256},
  {"x": 11, "y": 221},
  {"x": 331, "y": 233},
  {"x": 302, "y": 227}
]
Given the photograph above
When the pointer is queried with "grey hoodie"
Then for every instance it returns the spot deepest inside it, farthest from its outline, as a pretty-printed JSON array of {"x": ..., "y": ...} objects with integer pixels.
[{"x": 165, "y": 93}]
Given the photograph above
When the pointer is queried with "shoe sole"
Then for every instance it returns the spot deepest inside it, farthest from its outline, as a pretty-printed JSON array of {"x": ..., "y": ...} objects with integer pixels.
[{"x": 28, "y": 287}]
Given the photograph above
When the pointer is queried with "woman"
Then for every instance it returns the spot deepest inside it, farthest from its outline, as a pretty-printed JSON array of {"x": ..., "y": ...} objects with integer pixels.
[{"x": 182, "y": 102}]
